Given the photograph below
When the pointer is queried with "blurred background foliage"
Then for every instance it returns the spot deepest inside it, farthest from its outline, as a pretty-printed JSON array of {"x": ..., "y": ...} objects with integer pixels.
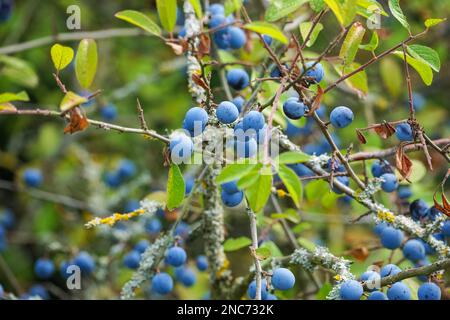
[{"x": 74, "y": 166}]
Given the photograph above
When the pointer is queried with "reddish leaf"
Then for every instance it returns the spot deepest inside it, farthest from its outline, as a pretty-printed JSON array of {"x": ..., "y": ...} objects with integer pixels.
[
  {"x": 199, "y": 81},
  {"x": 361, "y": 137},
  {"x": 360, "y": 253},
  {"x": 445, "y": 207},
  {"x": 316, "y": 103},
  {"x": 403, "y": 163},
  {"x": 204, "y": 46},
  {"x": 77, "y": 121},
  {"x": 384, "y": 130}
]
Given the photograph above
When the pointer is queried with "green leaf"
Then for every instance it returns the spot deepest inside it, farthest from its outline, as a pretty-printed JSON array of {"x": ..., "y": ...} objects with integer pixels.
[
  {"x": 370, "y": 6},
  {"x": 394, "y": 6},
  {"x": 233, "y": 244},
  {"x": 139, "y": 19},
  {"x": 433, "y": 22},
  {"x": 289, "y": 214},
  {"x": 71, "y": 100},
  {"x": 292, "y": 183},
  {"x": 197, "y": 8},
  {"x": 232, "y": 6},
  {"x": 249, "y": 178},
  {"x": 175, "y": 187},
  {"x": 307, "y": 244},
  {"x": 86, "y": 62},
  {"x": 167, "y": 11},
  {"x": 259, "y": 192},
  {"x": 305, "y": 28},
  {"x": 425, "y": 54},
  {"x": 274, "y": 250},
  {"x": 392, "y": 76},
  {"x": 373, "y": 43},
  {"x": 324, "y": 291},
  {"x": 18, "y": 71},
  {"x": 317, "y": 5},
  {"x": 61, "y": 56},
  {"x": 358, "y": 82},
  {"x": 266, "y": 28},
  {"x": 281, "y": 8},
  {"x": 351, "y": 43},
  {"x": 234, "y": 171},
  {"x": 9, "y": 96},
  {"x": 423, "y": 69},
  {"x": 344, "y": 10},
  {"x": 263, "y": 253},
  {"x": 292, "y": 157}
]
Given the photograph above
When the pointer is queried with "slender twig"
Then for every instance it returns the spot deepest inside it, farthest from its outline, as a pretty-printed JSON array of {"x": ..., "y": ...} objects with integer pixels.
[
  {"x": 99, "y": 124},
  {"x": 374, "y": 59},
  {"x": 71, "y": 36},
  {"x": 367, "y": 155},
  {"x": 253, "y": 248}
]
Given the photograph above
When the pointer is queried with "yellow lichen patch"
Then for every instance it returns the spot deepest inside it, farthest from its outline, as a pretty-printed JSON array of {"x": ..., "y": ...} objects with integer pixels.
[
  {"x": 225, "y": 266},
  {"x": 386, "y": 216},
  {"x": 337, "y": 277},
  {"x": 113, "y": 219}
]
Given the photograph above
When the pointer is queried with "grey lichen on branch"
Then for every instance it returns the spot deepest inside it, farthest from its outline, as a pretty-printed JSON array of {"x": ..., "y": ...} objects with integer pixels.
[
  {"x": 193, "y": 27},
  {"x": 214, "y": 236},
  {"x": 150, "y": 259}
]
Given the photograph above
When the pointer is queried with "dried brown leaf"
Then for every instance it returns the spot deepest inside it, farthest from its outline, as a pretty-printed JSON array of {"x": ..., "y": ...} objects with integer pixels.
[
  {"x": 360, "y": 253},
  {"x": 384, "y": 130},
  {"x": 318, "y": 99},
  {"x": 361, "y": 137},
  {"x": 77, "y": 121},
  {"x": 403, "y": 163}
]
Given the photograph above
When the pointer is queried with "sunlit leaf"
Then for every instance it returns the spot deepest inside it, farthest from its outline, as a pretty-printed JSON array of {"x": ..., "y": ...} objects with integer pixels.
[
  {"x": 259, "y": 192},
  {"x": 232, "y": 6},
  {"x": 423, "y": 69},
  {"x": 292, "y": 157},
  {"x": 61, "y": 56},
  {"x": 233, "y": 244},
  {"x": 175, "y": 187},
  {"x": 86, "y": 62},
  {"x": 234, "y": 171},
  {"x": 392, "y": 76},
  {"x": 167, "y": 11},
  {"x": 425, "y": 54},
  {"x": 344, "y": 10},
  {"x": 394, "y": 6},
  {"x": 305, "y": 28},
  {"x": 433, "y": 22},
  {"x": 358, "y": 82},
  {"x": 71, "y": 100},
  {"x": 351, "y": 43},
  {"x": 266, "y": 28},
  {"x": 139, "y": 19},
  {"x": 9, "y": 96},
  {"x": 196, "y": 4},
  {"x": 281, "y": 8},
  {"x": 292, "y": 183}
]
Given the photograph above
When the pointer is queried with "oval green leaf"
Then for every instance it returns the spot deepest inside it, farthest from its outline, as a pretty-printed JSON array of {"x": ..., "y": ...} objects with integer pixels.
[
  {"x": 394, "y": 6},
  {"x": 292, "y": 183},
  {"x": 140, "y": 20},
  {"x": 175, "y": 187},
  {"x": 292, "y": 157},
  {"x": 351, "y": 43},
  {"x": 425, "y": 54},
  {"x": 423, "y": 69},
  {"x": 233, "y": 244},
  {"x": 266, "y": 28},
  {"x": 9, "y": 96},
  {"x": 167, "y": 11},
  {"x": 281, "y": 8},
  {"x": 305, "y": 28},
  {"x": 86, "y": 62}
]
